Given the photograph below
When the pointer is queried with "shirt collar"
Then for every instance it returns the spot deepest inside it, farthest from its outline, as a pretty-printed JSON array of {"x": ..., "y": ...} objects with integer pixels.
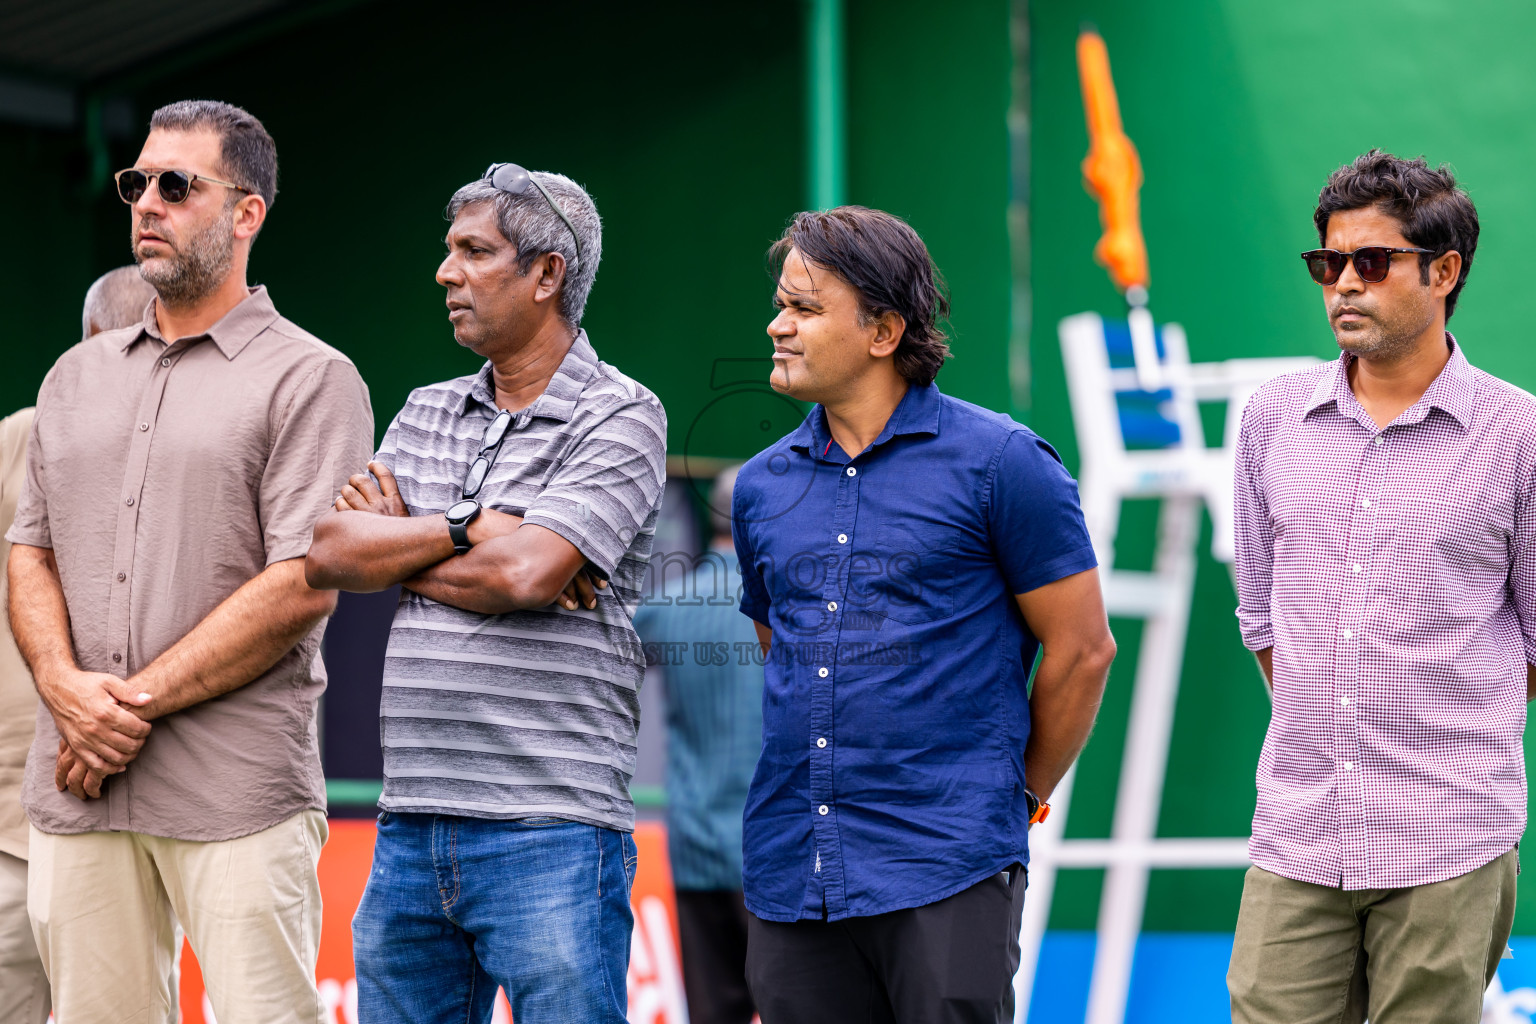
[
  {"x": 234, "y": 330},
  {"x": 558, "y": 402},
  {"x": 1452, "y": 391},
  {"x": 916, "y": 413}
]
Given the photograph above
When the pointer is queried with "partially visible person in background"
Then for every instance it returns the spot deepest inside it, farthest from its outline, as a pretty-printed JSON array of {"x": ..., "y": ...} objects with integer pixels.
[
  {"x": 117, "y": 299},
  {"x": 714, "y": 700}
]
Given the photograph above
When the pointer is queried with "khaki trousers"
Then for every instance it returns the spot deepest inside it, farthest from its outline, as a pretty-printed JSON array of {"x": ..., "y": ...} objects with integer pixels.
[
  {"x": 23, "y": 985},
  {"x": 105, "y": 908},
  {"x": 1312, "y": 954}
]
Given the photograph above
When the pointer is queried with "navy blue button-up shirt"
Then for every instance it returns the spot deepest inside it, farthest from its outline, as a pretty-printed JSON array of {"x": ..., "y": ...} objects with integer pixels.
[{"x": 895, "y": 706}]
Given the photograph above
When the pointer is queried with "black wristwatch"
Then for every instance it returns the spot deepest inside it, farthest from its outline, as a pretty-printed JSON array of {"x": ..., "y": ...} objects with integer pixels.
[{"x": 459, "y": 515}]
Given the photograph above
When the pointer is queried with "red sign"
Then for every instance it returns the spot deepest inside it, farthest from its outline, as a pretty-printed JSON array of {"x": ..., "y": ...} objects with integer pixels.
[{"x": 655, "y": 974}]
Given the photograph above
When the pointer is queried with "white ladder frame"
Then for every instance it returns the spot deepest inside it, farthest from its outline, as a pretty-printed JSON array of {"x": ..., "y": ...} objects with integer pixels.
[{"x": 1185, "y": 477}]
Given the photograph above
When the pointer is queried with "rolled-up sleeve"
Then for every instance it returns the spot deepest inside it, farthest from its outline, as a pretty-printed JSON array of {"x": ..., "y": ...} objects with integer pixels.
[
  {"x": 606, "y": 488},
  {"x": 1254, "y": 537},
  {"x": 31, "y": 525},
  {"x": 325, "y": 434}
]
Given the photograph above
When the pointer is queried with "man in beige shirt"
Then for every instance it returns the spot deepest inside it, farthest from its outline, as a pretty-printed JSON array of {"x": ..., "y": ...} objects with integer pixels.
[
  {"x": 174, "y": 474},
  {"x": 116, "y": 299}
]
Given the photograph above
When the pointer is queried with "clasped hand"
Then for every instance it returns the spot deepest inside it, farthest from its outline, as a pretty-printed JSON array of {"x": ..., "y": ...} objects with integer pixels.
[{"x": 99, "y": 734}]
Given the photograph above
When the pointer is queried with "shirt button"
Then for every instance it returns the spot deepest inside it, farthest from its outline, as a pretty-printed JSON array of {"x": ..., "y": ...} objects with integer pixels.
[
  {"x": 165, "y": 362},
  {"x": 822, "y": 809},
  {"x": 121, "y": 576},
  {"x": 116, "y": 656},
  {"x": 842, "y": 538},
  {"x": 1349, "y": 766},
  {"x": 143, "y": 426},
  {"x": 822, "y": 672},
  {"x": 831, "y": 606},
  {"x": 821, "y": 741},
  {"x": 129, "y": 502},
  {"x": 1344, "y": 702},
  {"x": 1349, "y": 634},
  {"x": 1365, "y": 503},
  {"x": 1378, "y": 440},
  {"x": 852, "y": 471},
  {"x": 1355, "y": 567}
]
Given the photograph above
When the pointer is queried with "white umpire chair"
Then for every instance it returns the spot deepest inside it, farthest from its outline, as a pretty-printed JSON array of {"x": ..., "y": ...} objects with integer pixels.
[{"x": 1135, "y": 407}]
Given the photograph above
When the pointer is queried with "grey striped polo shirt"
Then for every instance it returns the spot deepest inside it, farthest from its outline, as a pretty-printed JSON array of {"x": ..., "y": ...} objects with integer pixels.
[{"x": 530, "y": 713}]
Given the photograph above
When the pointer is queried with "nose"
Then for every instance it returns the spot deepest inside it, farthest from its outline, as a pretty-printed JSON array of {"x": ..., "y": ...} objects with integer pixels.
[
  {"x": 150, "y": 202},
  {"x": 1349, "y": 282},
  {"x": 781, "y": 326},
  {"x": 448, "y": 272}
]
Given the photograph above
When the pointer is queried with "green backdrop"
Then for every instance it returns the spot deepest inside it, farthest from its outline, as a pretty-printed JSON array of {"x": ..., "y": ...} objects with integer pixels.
[
  {"x": 685, "y": 120},
  {"x": 1239, "y": 111}
]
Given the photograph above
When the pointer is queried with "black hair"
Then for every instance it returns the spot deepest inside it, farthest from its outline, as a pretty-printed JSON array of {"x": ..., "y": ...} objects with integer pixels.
[
  {"x": 885, "y": 261},
  {"x": 1436, "y": 213}
]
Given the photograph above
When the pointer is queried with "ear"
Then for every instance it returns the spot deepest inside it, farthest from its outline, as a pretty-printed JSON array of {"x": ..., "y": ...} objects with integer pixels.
[
  {"x": 549, "y": 272},
  {"x": 250, "y": 215},
  {"x": 1443, "y": 273},
  {"x": 889, "y": 329}
]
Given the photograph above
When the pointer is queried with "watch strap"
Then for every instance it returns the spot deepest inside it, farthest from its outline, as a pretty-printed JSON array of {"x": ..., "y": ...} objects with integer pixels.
[{"x": 459, "y": 533}]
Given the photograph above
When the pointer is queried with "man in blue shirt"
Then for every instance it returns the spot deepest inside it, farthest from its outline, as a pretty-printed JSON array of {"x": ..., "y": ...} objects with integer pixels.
[
  {"x": 714, "y": 682},
  {"x": 906, "y": 555}
]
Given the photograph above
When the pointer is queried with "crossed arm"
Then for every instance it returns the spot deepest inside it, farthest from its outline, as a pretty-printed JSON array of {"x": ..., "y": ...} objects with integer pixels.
[
  {"x": 103, "y": 720},
  {"x": 1068, "y": 619},
  {"x": 511, "y": 565}
]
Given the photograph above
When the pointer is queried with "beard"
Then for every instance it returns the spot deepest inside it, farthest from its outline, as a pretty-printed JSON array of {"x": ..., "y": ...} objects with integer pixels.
[
  {"x": 196, "y": 266},
  {"x": 1382, "y": 335}
]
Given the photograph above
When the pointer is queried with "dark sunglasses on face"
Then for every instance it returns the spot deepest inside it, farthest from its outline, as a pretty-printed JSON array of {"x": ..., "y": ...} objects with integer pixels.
[
  {"x": 1372, "y": 262},
  {"x": 514, "y": 179},
  {"x": 174, "y": 185},
  {"x": 489, "y": 445}
]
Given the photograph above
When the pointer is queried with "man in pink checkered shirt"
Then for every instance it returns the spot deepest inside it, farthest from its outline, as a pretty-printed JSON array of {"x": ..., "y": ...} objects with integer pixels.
[{"x": 1385, "y": 530}]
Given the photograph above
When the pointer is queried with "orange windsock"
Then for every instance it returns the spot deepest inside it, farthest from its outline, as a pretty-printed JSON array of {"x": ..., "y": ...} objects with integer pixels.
[{"x": 1112, "y": 170}]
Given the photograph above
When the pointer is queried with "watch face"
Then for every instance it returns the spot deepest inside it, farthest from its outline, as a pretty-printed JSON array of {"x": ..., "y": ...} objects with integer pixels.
[{"x": 462, "y": 510}]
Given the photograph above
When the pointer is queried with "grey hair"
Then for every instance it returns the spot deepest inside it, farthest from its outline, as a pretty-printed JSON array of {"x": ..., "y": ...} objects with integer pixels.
[
  {"x": 720, "y": 497},
  {"x": 527, "y": 222},
  {"x": 116, "y": 299}
]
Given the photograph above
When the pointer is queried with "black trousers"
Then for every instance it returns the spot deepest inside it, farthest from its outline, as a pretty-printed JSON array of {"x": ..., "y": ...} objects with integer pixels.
[
  {"x": 950, "y": 962},
  {"x": 712, "y": 929}
]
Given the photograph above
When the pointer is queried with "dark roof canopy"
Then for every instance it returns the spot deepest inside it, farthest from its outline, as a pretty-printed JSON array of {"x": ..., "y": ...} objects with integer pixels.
[{"x": 82, "y": 40}]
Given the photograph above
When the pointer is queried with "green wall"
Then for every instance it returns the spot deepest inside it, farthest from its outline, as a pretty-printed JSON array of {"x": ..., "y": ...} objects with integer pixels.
[
  {"x": 684, "y": 120},
  {"x": 1239, "y": 111}
]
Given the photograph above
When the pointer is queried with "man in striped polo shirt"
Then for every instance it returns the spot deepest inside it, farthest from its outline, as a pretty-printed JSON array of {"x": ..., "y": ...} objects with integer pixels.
[{"x": 510, "y": 704}]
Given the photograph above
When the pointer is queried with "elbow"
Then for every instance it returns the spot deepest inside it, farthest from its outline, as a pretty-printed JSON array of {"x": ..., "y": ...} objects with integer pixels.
[
  {"x": 1100, "y": 656},
  {"x": 321, "y": 570},
  {"x": 319, "y": 574},
  {"x": 525, "y": 586}
]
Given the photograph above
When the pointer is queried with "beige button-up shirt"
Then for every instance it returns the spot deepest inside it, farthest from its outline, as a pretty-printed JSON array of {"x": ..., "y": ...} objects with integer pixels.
[
  {"x": 18, "y": 698},
  {"x": 164, "y": 477}
]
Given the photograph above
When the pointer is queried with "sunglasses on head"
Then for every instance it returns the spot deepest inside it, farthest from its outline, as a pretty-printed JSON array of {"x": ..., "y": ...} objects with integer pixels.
[
  {"x": 174, "y": 186},
  {"x": 1372, "y": 262},
  {"x": 514, "y": 179},
  {"x": 490, "y": 444}
]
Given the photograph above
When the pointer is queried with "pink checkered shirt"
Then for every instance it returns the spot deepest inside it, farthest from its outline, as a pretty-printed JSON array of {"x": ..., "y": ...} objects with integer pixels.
[{"x": 1392, "y": 572}]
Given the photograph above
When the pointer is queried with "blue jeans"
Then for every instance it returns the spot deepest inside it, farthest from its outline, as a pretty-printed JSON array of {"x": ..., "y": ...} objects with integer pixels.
[{"x": 456, "y": 906}]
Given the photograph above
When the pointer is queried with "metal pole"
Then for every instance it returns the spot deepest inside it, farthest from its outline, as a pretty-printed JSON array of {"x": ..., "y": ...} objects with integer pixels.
[{"x": 825, "y": 107}]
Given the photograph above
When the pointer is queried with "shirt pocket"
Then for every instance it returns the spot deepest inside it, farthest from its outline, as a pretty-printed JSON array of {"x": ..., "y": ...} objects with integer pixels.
[{"x": 905, "y": 578}]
